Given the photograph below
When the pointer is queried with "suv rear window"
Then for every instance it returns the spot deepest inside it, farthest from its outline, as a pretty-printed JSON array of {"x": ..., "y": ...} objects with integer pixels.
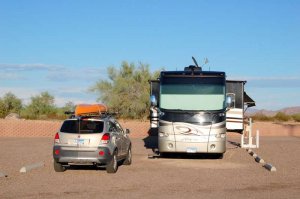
[{"x": 86, "y": 126}]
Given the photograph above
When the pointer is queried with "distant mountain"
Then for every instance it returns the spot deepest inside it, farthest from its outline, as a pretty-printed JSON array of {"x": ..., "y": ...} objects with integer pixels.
[
  {"x": 291, "y": 110},
  {"x": 288, "y": 111}
]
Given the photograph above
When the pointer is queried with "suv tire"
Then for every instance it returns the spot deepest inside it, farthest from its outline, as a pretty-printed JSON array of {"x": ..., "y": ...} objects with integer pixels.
[
  {"x": 58, "y": 167},
  {"x": 128, "y": 159},
  {"x": 112, "y": 165}
]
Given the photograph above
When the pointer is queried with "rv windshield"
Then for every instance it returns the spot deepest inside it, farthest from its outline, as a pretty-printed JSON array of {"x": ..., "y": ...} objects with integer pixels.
[{"x": 192, "y": 93}]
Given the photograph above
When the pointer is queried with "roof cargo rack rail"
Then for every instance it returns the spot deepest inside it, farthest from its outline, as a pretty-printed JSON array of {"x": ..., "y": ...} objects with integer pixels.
[
  {"x": 69, "y": 112},
  {"x": 102, "y": 115}
]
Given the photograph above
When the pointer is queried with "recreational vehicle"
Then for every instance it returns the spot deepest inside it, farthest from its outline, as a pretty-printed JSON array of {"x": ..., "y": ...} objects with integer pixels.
[
  {"x": 188, "y": 108},
  {"x": 192, "y": 110}
]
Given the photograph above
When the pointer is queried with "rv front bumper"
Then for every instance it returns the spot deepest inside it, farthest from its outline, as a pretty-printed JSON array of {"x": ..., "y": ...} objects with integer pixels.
[{"x": 169, "y": 146}]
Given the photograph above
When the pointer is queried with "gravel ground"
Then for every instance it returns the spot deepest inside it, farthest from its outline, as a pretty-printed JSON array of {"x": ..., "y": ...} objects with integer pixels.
[{"x": 237, "y": 175}]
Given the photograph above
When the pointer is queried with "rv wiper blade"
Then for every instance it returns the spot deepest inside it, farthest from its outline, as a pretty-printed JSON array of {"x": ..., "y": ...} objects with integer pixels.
[
  {"x": 213, "y": 111},
  {"x": 179, "y": 110},
  {"x": 184, "y": 111},
  {"x": 206, "y": 111}
]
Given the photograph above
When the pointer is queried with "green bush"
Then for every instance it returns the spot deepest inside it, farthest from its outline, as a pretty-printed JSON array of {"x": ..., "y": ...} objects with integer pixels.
[
  {"x": 127, "y": 90},
  {"x": 296, "y": 117},
  {"x": 261, "y": 117},
  {"x": 9, "y": 104},
  {"x": 40, "y": 107},
  {"x": 282, "y": 117}
]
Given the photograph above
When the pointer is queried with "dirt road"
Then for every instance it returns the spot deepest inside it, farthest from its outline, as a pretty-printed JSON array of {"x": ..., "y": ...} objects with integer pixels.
[{"x": 235, "y": 176}]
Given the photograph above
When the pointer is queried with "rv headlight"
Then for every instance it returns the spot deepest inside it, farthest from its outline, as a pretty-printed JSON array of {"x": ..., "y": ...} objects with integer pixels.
[
  {"x": 163, "y": 134},
  {"x": 221, "y": 114},
  {"x": 222, "y": 135}
]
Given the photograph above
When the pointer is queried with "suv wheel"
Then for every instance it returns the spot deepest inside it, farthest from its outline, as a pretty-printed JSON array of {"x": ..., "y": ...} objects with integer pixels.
[
  {"x": 58, "y": 167},
  {"x": 128, "y": 159},
  {"x": 112, "y": 165}
]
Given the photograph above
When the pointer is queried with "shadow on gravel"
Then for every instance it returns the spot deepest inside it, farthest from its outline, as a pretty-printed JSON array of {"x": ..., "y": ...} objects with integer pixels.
[
  {"x": 84, "y": 167},
  {"x": 234, "y": 143},
  {"x": 191, "y": 156}
]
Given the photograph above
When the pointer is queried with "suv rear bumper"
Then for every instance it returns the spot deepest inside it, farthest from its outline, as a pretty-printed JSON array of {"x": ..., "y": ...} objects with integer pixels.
[{"x": 82, "y": 156}]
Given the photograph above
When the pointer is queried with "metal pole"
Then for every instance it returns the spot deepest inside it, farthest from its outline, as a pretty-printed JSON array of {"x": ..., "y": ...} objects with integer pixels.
[
  {"x": 250, "y": 132},
  {"x": 257, "y": 138},
  {"x": 242, "y": 141}
]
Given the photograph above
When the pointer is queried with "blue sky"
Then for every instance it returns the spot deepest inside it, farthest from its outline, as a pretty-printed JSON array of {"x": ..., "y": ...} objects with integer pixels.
[{"x": 64, "y": 47}]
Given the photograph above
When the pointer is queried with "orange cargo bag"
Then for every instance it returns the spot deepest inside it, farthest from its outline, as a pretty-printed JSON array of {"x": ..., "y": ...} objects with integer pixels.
[{"x": 90, "y": 109}]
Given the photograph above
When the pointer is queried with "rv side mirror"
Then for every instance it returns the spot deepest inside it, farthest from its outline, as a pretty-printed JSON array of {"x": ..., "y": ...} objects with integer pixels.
[
  {"x": 127, "y": 131},
  {"x": 228, "y": 101},
  {"x": 153, "y": 100}
]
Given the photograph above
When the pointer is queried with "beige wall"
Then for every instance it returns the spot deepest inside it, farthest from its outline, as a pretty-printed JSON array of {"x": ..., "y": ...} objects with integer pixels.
[
  {"x": 36, "y": 128},
  {"x": 277, "y": 128},
  {"x": 39, "y": 128}
]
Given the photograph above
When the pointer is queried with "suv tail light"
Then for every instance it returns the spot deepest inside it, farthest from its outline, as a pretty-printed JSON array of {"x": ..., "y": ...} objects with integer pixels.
[
  {"x": 56, "y": 138},
  {"x": 105, "y": 138}
]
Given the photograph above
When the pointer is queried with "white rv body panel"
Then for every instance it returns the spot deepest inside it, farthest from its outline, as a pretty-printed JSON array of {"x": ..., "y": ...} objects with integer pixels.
[
  {"x": 234, "y": 119},
  {"x": 191, "y": 138}
]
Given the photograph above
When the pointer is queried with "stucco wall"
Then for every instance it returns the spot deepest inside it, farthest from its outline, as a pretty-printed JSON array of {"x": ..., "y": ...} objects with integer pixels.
[{"x": 39, "y": 128}]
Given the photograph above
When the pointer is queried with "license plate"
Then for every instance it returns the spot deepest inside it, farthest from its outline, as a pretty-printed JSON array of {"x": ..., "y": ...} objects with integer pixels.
[
  {"x": 79, "y": 141},
  {"x": 191, "y": 150}
]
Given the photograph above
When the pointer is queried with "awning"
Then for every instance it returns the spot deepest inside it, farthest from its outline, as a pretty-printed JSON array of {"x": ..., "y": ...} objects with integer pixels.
[{"x": 248, "y": 100}]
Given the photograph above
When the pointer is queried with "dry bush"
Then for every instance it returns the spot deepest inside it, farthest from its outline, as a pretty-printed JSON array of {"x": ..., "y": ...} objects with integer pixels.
[{"x": 261, "y": 117}]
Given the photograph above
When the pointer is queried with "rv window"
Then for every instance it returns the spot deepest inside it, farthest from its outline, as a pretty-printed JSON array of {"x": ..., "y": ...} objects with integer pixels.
[{"x": 232, "y": 96}]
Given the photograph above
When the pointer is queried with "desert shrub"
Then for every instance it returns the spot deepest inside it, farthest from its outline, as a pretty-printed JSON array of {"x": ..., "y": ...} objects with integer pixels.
[
  {"x": 127, "y": 90},
  {"x": 282, "y": 117},
  {"x": 60, "y": 111},
  {"x": 2, "y": 109},
  {"x": 261, "y": 117},
  {"x": 40, "y": 107},
  {"x": 10, "y": 104},
  {"x": 296, "y": 117}
]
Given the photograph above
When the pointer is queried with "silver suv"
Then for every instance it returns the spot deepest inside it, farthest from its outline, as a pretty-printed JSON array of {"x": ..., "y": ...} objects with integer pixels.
[{"x": 99, "y": 141}]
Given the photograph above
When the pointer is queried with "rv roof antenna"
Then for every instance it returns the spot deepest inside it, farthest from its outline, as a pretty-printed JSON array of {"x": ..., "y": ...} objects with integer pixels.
[
  {"x": 206, "y": 61},
  {"x": 195, "y": 61},
  {"x": 193, "y": 68}
]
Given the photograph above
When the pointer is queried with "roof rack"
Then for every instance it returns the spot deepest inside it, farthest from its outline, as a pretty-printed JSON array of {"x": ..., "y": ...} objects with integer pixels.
[
  {"x": 104, "y": 115},
  {"x": 90, "y": 109}
]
